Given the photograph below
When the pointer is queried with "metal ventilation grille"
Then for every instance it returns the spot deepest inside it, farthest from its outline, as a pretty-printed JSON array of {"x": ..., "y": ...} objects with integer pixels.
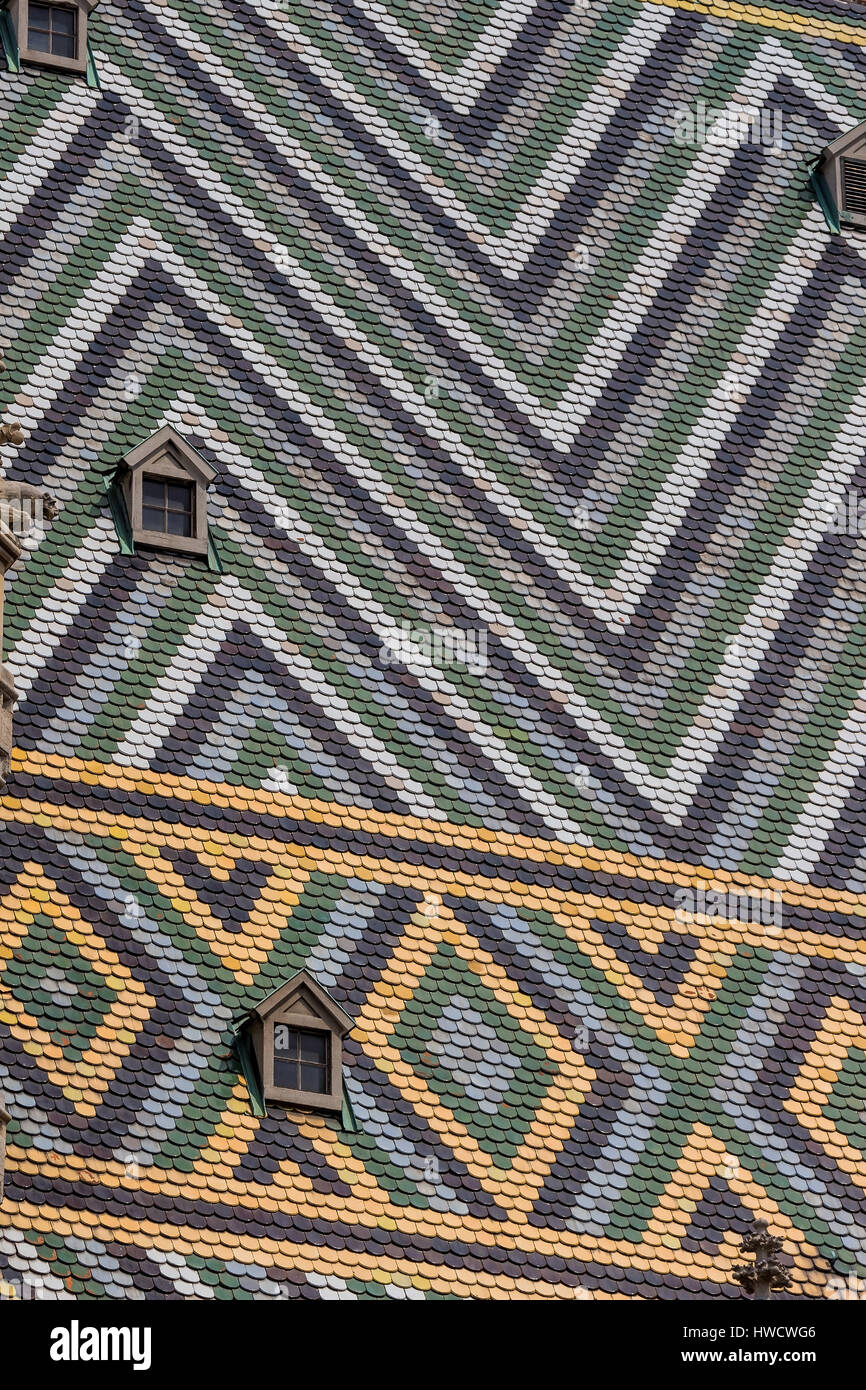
[{"x": 854, "y": 185}]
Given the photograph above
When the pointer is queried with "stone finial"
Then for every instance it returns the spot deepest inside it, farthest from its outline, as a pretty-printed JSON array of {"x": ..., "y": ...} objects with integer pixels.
[{"x": 767, "y": 1273}]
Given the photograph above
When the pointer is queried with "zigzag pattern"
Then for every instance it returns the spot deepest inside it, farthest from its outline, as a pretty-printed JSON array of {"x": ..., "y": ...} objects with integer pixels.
[
  {"x": 475, "y": 345},
  {"x": 389, "y": 344}
]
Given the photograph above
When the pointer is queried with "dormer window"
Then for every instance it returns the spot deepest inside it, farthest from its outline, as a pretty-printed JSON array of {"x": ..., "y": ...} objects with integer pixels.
[
  {"x": 297, "y": 1038},
  {"x": 52, "y": 35},
  {"x": 164, "y": 484},
  {"x": 840, "y": 179}
]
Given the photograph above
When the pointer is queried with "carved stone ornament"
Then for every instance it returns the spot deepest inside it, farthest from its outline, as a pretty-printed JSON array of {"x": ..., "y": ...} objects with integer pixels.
[
  {"x": 767, "y": 1273},
  {"x": 21, "y": 507}
]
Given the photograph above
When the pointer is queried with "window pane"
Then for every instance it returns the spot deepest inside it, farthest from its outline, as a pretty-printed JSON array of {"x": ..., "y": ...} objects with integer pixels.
[
  {"x": 286, "y": 1074},
  {"x": 285, "y": 1041},
  {"x": 152, "y": 492},
  {"x": 178, "y": 523},
  {"x": 313, "y": 1078},
  {"x": 39, "y": 16},
  {"x": 153, "y": 518},
  {"x": 314, "y": 1048},
  {"x": 38, "y": 41},
  {"x": 63, "y": 21},
  {"x": 63, "y": 45},
  {"x": 180, "y": 496}
]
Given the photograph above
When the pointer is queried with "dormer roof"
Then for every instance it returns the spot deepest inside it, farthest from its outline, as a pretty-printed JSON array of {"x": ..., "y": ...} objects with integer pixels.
[
  {"x": 852, "y": 143},
  {"x": 168, "y": 443},
  {"x": 302, "y": 992}
]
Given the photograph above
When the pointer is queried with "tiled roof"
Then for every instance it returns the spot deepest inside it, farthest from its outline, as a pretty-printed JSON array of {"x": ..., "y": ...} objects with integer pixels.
[{"x": 475, "y": 342}]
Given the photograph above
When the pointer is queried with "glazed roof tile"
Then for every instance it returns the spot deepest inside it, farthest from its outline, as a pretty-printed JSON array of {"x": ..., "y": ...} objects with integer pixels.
[{"x": 482, "y": 352}]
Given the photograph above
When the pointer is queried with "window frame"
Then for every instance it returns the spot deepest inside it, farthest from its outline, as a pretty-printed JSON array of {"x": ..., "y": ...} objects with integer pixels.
[
  {"x": 296, "y": 1059},
  {"x": 167, "y": 510},
  {"x": 52, "y": 12},
  {"x": 19, "y": 11},
  {"x": 332, "y": 1098}
]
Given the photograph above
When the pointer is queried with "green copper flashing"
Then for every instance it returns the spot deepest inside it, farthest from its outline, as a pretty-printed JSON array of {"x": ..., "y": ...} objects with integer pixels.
[
  {"x": 822, "y": 193},
  {"x": 117, "y": 503},
  {"x": 9, "y": 39},
  {"x": 92, "y": 75},
  {"x": 348, "y": 1123},
  {"x": 213, "y": 556},
  {"x": 246, "y": 1056}
]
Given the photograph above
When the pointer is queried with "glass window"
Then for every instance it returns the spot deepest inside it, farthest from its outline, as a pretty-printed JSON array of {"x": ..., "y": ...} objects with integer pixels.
[
  {"x": 52, "y": 29},
  {"x": 301, "y": 1059},
  {"x": 167, "y": 506}
]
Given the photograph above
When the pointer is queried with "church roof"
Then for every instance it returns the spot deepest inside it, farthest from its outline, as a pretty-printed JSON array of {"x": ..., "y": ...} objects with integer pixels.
[{"x": 525, "y": 710}]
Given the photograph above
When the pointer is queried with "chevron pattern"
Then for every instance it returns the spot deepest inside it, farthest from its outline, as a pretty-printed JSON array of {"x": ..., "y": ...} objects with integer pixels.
[{"x": 477, "y": 347}]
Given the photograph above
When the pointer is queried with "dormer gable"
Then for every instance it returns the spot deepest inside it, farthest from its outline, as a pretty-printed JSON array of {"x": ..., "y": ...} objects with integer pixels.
[
  {"x": 164, "y": 482},
  {"x": 297, "y": 1033}
]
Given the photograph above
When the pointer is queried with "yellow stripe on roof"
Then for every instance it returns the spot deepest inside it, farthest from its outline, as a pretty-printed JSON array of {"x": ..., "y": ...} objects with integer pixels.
[{"x": 772, "y": 19}]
